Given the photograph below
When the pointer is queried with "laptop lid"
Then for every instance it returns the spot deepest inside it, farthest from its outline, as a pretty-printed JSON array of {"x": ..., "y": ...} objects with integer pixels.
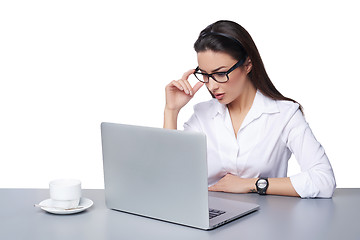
[{"x": 157, "y": 173}]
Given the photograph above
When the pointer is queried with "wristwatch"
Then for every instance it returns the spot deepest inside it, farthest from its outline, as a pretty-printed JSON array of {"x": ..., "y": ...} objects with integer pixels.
[{"x": 261, "y": 185}]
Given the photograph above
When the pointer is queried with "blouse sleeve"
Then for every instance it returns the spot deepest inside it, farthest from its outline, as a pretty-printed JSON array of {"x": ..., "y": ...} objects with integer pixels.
[
  {"x": 317, "y": 177},
  {"x": 193, "y": 124}
]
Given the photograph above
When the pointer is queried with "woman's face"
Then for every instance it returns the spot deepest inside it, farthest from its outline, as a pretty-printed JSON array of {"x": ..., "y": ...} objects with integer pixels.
[{"x": 210, "y": 62}]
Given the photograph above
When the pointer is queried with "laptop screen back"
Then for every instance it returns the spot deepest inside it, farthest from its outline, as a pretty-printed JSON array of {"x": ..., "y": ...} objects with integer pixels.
[{"x": 155, "y": 172}]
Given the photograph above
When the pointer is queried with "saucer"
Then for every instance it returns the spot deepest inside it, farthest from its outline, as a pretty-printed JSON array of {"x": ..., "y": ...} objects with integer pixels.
[{"x": 85, "y": 203}]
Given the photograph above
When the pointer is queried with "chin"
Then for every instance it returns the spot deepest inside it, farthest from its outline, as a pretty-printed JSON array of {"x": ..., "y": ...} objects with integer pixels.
[{"x": 224, "y": 101}]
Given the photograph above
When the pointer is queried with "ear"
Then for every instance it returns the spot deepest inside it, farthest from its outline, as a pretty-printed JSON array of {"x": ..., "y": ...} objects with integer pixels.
[{"x": 248, "y": 65}]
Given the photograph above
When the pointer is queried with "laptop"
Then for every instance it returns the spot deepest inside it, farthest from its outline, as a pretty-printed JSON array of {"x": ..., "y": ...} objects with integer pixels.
[{"x": 162, "y": 174}]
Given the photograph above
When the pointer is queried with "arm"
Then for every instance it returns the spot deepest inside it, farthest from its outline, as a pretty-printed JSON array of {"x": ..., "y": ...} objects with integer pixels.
[
  {"x": 170, "y": 118},
  {"x": 178, "y": 94},
  {"x": 316, "y": 178},
  {"x": 281, "y": 186},
  {"x": 235, "y": 184}
]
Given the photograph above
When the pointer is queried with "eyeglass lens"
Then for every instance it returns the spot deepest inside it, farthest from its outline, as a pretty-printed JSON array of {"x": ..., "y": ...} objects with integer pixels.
[{"x": 219, "y": 77}]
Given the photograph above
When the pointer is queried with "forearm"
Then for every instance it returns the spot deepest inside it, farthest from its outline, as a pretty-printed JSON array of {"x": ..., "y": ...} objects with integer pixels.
[
  {"x": 277, "y": 186},
  {"x": 170, "y": 118},
  {"x": 235, "y": 184}
]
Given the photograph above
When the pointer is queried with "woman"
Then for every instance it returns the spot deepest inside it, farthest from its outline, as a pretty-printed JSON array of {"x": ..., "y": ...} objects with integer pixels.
[{"x": 251, "y": 128}]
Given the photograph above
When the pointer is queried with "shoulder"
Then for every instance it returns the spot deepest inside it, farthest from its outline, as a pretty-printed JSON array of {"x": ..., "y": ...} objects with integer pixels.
[
  {"x": 289, "y": 111},
  {"x": 201, "y": 112},
  {"x": 287, "y": 114},
  {"x": 294, "y": 121},
  {"x": 280, "y": 109},
  {"x": 287, "y": 107},
  {"x": 205, "y": 108}
]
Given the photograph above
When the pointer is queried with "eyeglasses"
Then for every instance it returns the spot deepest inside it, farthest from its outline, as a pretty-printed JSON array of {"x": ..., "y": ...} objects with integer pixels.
[{"x": 220, "y": 77}]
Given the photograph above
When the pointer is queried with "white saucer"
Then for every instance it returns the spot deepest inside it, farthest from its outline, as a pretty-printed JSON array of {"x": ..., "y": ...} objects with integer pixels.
[{"x": 85, "y": 203}]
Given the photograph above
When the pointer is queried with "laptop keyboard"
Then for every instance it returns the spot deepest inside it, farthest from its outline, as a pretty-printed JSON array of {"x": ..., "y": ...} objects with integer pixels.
[{"x": 214, "y": 213}]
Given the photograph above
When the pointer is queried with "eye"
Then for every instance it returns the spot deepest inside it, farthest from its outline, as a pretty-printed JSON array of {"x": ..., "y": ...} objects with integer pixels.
[{"x": 220, "y": 74}]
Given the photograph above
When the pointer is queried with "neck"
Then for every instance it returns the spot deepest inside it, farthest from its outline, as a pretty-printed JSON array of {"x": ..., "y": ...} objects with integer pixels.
[{"x": 244, "y": 101}]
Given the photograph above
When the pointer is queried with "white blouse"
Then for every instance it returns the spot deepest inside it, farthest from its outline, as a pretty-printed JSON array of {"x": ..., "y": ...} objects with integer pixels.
[{"x": 271, "y": 131}]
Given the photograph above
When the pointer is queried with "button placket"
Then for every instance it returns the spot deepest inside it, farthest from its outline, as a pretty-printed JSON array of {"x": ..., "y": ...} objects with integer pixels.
[{"x": 227, "y": 144}]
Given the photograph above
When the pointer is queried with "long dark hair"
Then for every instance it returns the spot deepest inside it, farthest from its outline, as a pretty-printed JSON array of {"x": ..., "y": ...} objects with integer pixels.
[{"x": 233, "y": 39}]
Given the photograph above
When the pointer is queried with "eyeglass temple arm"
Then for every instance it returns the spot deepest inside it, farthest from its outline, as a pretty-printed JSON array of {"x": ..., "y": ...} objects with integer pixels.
[{"x": 237, "y": 64}]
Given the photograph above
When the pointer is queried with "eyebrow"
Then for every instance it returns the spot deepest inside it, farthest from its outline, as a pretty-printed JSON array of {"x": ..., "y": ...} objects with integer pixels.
[{"x": 215, "y": 70}]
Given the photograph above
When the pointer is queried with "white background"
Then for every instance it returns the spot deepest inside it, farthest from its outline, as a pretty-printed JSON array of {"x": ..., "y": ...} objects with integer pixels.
[{"x": 66, "y": 66}]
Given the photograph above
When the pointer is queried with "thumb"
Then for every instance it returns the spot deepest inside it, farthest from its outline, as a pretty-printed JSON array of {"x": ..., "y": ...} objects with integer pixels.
[
  {"x": 197, "y": 86},
  {"x": 212, "y": 188}
]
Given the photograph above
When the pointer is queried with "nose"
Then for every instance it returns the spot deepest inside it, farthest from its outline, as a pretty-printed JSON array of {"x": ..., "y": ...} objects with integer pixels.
[{"x": 212, "y": 85}]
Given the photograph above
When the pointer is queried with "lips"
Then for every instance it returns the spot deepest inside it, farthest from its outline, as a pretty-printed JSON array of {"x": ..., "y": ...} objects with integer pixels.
[{"x": 219, "y": 95}]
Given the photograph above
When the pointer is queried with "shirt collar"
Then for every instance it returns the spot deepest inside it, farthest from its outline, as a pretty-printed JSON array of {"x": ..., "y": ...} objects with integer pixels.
[{"x": 262, "y": 104}]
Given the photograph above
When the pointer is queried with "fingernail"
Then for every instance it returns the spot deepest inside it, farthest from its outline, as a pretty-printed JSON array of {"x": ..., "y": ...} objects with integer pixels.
[
  {"x": 186, "y": 91},
  {"x": 191, "y": 93}
]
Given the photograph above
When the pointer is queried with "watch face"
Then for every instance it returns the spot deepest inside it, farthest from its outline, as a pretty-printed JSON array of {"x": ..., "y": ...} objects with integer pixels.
[{"x": 261, "y": 183}]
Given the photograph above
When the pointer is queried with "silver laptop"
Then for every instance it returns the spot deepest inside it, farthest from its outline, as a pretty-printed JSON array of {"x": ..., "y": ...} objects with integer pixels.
[{"x": 162, "y": 174}]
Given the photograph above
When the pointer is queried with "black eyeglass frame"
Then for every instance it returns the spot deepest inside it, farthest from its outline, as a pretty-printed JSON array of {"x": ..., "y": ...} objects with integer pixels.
[{"x": 238, "y": 64}]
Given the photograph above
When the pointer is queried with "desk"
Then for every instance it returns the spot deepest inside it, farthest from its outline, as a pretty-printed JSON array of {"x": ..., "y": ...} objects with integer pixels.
[{"x": 278, "y": 218}]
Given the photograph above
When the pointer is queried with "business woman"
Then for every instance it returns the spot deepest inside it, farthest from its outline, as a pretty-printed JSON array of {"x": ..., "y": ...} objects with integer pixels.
[{"x": 251, "y": 128}]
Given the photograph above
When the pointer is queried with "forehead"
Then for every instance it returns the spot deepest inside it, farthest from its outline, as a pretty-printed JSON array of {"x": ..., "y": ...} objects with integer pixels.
[{"x": 210, "y": 60}]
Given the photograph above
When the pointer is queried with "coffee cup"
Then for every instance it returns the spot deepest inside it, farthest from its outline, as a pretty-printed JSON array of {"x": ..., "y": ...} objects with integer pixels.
[{"x": 65, "y": 193}]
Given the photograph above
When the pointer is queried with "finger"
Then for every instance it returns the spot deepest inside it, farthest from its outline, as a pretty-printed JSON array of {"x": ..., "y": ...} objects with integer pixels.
[
  {"x": 213, "y": 188},
  {"x": 187, "y": 74},
  {"x": 182, "y": 83},
  {"x": 188, "y": 86},
  {"x": 178, "y": 85},
  {"x": 197, "y": 86}
]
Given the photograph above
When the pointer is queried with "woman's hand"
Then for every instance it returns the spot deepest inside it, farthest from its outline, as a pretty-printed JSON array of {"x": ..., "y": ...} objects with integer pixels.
[
  {"x": 178, "y": 93},
  {"x": 234, "y": 184}
]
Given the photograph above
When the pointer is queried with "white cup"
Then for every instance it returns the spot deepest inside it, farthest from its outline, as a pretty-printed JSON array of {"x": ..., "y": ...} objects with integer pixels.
[{"x": 65, "y": 193}]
